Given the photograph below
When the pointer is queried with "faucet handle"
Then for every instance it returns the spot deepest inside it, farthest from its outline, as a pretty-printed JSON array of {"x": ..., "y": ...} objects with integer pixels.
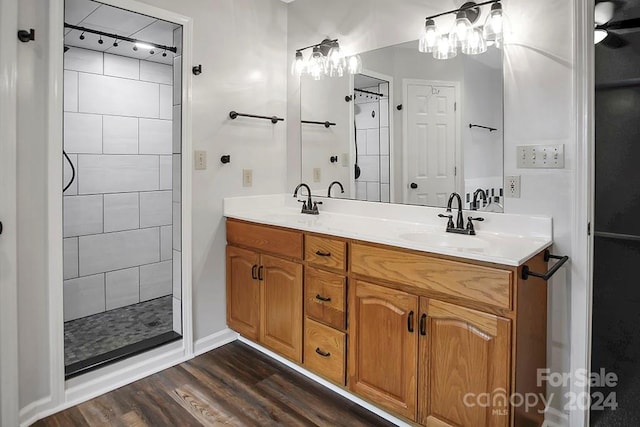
[
  {"x": 450, "y": 223},
  {"x": 470, "y": 223}
]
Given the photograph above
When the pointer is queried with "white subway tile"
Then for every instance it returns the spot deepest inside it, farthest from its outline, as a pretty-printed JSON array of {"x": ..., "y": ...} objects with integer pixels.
[
  {"x": 68, "y": 173},
  {"x": 384, "y": 113},
  {"x": 373, "y": 191},
  {"x": 176, "y": 177},
  {"x": 84, "y": 60},
  {"x": 177, "y": 316},
  {"x": 177, "y": 227},
  {"x": 361, "y": 190},
  {"x": 384, "y": 169},
  {"x": 83, "y": 297},
  {"x": 166, "y": 238},
  {"x": 155, "y": 209},
  {"x": 369, "y": 167},
  {"x": 120, "y": 135},
  {"x": 82, "y": 215},
  {"x": 82, "y": 133},
  {"x": 177, "y": 274},
  {"x": 70, "y": 258},
  {"x": 155, "y": 136},
  {"x": 122, "y": 288},
  {"x": 177, "y": 129},
  {"x": 166, "y": 172},
  {"x": 155, "y": 72},
  {"x": 177, "y": 80},
  {"x": 121, "y": 212},
  {"x": 385, "y": 193},
  {"x": 116, "y": 251},
  {"x": 118, "y": 97},
  {"x": 373, "y": 142},
  {"x": 155, "y": 280},
  {"x": 166, "y": 102},
  {"x": 118, "y": 173},
  {"x": 70, "y": 91},
  {"x": 121, "y": 66},
  {"x": 384, "y": 141}
]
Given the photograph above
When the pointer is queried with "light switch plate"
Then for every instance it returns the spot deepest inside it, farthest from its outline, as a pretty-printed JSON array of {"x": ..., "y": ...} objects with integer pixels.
[
  {"x": 512, "y": 187},
  {"x": 200, "y": 159},
  {"x": 540, "y": 156},
  {"x": 247, "y": 177}
]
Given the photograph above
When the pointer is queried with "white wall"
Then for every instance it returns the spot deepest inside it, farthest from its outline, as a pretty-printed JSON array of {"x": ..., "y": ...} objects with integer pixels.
[
  {"x": 241, "y": 45},
  {"x": 539, "y": 108}
]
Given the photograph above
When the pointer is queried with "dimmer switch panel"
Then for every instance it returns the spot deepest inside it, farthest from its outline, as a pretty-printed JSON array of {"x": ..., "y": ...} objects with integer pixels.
[{"x": 540, "y": 156}]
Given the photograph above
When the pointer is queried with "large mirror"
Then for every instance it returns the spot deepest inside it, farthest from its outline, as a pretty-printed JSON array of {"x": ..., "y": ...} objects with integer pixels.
[{"x": 408, "y": 129}]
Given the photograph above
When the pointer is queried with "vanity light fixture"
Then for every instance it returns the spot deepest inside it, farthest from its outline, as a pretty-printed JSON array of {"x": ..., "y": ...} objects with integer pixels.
[
  {"x": 326, "y": 59},
  {"x": 471, "y": 38}
]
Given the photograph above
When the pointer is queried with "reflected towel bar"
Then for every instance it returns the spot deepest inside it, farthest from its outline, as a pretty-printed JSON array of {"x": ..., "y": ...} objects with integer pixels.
[
  {"x": 526, "y": 272},
  {"x": 483, "y": 127},
  {"x": 326, "y": 124},
  {"x": 274, "y": 119}
]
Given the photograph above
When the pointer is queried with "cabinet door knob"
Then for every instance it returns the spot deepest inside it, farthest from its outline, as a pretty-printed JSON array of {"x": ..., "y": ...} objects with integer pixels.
[
  {"x": 323, "y": 299},
  {"x": 410, "y": 321},
  {"x": 322, "y": 353},
  {"x": 423, "y": 324},
  {"x": 253, "y": 272}
]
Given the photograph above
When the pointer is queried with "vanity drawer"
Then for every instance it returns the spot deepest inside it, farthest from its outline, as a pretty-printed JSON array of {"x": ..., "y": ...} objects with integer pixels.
[
  {"x": 325, "y": 252},
  {"x": 267, "y": 239},
  {"x": 486, "y": 285},
  {"x": 325, "y": 297},
  {"x": 324, "y": 351}
]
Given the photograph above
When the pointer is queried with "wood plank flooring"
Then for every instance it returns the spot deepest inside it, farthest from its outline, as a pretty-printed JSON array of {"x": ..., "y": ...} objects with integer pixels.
[{"x": 233, "y": 385}]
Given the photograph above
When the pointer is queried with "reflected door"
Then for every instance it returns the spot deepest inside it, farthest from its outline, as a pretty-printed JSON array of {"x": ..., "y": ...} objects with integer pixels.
[{"x": 430, "y": 142}]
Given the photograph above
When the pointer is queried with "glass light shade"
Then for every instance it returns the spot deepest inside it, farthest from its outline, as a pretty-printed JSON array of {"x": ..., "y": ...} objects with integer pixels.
[
  {"x": 599, "y": 35},
  {"x": 462, "y": 28},
  {"x": 354, "y": 64},
  {"x": 317, "y": 65},
  {"x": 494, "y": 25},
  {"x": 299, "y": 65},
  {"x": 475, "y": 43},
  {"x": 446, "y": 47},
  {"x": 336, "y": 62},
  {"x": 429, "y": 37}
]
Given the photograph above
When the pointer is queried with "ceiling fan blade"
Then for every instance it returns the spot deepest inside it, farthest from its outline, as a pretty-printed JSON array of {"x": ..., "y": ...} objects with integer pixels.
[
  {"x": 624, "y": 24},
  {"x": 614, "y": 41},
  {"x": 604, "y": 12}
]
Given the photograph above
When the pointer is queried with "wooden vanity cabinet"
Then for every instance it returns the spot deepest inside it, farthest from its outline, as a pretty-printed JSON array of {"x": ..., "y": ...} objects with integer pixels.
[{"x": 264, "y": 286}]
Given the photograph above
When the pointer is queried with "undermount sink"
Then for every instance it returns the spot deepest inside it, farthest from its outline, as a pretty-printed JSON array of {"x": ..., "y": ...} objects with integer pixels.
[
  {"x": 452, "y": 241},
  {"x": 290, "y": 217}
]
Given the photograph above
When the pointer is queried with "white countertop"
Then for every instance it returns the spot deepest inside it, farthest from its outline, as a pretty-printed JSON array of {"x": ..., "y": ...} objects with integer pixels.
[{"x": 502, "y": 238}]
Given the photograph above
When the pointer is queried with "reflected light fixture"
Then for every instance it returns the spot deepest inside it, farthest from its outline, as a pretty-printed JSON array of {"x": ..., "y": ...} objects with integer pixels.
[
  {"x": 326, "y": 60},
  {"x": 599, "y": 35},
  {"x": 467, "y": 32}
]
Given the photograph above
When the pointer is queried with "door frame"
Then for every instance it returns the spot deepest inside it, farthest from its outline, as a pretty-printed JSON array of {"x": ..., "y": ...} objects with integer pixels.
[
  {"x": 67, "y": 393},
  {"x": 459, "y": 178}
]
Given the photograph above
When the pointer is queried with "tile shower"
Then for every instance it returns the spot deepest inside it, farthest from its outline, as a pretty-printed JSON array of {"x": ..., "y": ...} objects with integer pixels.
[{"x": 121, "y": 212}]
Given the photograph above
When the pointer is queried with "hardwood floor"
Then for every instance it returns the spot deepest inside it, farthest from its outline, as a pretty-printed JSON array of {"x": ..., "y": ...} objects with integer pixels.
[{"x": 232, "y": 385}]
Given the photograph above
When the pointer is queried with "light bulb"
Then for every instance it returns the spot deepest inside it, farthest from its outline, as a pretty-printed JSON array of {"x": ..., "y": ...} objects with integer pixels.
[
  {"x": 599, "y": 35},
  {"x": 336, "y": 62},
  {"x": 462, "y": 27},
  {"x": 354, "y": 64},
  {"x": 494, "y": 25},
  {"x": 475, "y": 43},
  {"x": 299, "y": 65},
  {"x": 446, "y": 47},
  {"x": 317, "y": 64},
  {"x": 429, "y": 37}
]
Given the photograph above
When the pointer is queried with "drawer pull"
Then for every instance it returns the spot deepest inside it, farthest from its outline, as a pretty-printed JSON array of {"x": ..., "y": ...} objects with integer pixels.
[
  {"x": 322, "y": 353},
  {"x": 320, "y": 253},
  {"x": 423, "y": 324},
  {"x": 410, "y": 321},
  {"x": 323, "y": 299},
  {"x": 253, "y": 272}
]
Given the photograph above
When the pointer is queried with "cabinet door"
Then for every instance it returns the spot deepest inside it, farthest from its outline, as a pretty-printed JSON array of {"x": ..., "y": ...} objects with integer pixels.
[
  {"x": 384, "y": 347},
  {"x": 281, "y": 302},
  {"x": 467, "y": 357},
  {"x": 243, "y": 292}
]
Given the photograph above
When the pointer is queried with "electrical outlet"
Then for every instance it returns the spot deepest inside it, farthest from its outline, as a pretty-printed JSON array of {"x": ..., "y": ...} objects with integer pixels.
[
  {"x": 317, "y": 175},
  {"x": 200, "y": 159},
  {"x": 247, "y": 177},
  {"x": 512, "y": 187},
  {"x": 540, "y": 156}
]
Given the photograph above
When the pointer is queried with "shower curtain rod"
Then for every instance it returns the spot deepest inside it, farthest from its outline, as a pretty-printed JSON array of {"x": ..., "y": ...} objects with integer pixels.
[
  {"x": 123, "y": 38},
  {"x": 369, "y": 93}
]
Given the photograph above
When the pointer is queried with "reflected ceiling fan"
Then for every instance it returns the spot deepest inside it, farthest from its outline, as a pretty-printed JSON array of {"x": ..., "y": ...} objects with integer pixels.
[{"x": 606, "y": 29}]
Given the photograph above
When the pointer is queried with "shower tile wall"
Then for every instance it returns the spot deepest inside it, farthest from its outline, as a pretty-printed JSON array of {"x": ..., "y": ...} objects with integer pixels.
[
  {"x": 176, "y": 248},
  {"x": 373, "y": 146},
  {"x": 118, "y": 214}
]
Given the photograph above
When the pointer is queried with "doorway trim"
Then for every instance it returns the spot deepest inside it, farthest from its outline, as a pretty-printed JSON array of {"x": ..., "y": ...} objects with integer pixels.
[
  {"x": 62, "y": 395},
  {"x": 459, "y": 178}
]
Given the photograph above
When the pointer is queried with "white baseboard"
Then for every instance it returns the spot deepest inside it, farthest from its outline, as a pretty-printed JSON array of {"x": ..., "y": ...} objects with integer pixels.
[
  {"x": 33, "y": 411},
  {"x": 214, "y": 341},
  {"x": 355, "y": 399}
]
